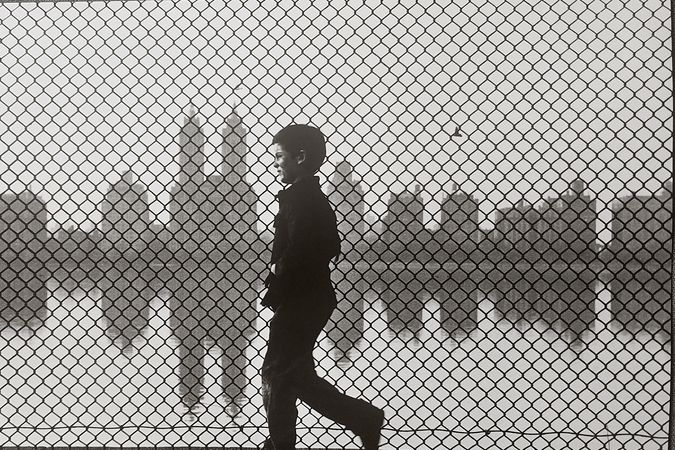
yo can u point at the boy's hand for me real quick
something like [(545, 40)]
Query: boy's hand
[(272, 298)]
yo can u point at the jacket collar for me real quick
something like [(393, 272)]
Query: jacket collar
[(298, 186)]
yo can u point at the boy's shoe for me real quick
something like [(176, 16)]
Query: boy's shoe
[(371, 437)]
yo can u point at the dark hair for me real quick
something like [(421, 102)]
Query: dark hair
[(294, 138)]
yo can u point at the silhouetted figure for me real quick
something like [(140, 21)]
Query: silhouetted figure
[(302, 297)]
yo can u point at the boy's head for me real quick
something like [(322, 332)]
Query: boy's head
[(299, 151)]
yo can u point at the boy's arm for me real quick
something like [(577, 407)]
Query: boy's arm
[(300, 237), (310, 242)]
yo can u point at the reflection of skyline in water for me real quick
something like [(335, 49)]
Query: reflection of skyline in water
[(640, 299), (562, 299), (23, 296), (406, 294), (211, 318), (345, 329), (212, 310), (217, 306), (405, 297), (125, 303)]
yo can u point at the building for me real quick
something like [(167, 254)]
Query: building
[(642, 226), (231, 196), (23, 238), (191, 157), (188, 206), (23, 227), (405, 216), (214, 230), (403, 234), (215, 213), (516, 232), (459, 222), (567, 225), (347, 196), (126, 216)]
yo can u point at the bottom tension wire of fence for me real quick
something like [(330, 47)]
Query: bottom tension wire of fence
[(392, 429)]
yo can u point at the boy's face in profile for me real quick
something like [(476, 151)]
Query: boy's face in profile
[(289, 167)]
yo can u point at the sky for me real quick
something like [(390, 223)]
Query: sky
[(543, 92)]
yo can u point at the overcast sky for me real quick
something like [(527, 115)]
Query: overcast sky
[(544, 92)]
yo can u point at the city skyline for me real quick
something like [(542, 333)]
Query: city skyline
[(432, 206), (534, 113), (217, 214), (130, 179)]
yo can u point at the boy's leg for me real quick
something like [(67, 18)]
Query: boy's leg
[(354, 414), (279, 403), (291, 340), (288, 373), (277, 393)]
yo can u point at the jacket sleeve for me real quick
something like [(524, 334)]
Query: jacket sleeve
[(312, 242)]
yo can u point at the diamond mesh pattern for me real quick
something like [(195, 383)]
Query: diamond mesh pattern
[(500, 172)]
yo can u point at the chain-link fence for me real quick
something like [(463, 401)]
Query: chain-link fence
[(500, 176)]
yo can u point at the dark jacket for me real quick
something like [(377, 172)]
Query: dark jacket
[(305, 240)]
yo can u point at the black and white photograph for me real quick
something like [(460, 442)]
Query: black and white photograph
[(322, 225)]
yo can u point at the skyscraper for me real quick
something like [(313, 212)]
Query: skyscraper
[(235, 199), (23, 236), (234, 150), (347, 196), (404, 219), (188, 199), (191, 157), (404, 224), (567, 224), (126, 215), (516, 229), (23, 226), (214, 222), (642, 226), (459, 219)]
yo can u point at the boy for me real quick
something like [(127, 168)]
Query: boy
[(302, 297)]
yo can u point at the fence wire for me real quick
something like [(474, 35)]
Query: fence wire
[(501, 176)]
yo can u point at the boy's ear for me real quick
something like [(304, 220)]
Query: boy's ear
[(301, 157)]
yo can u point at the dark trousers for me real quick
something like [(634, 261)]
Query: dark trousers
[(288, 374)]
